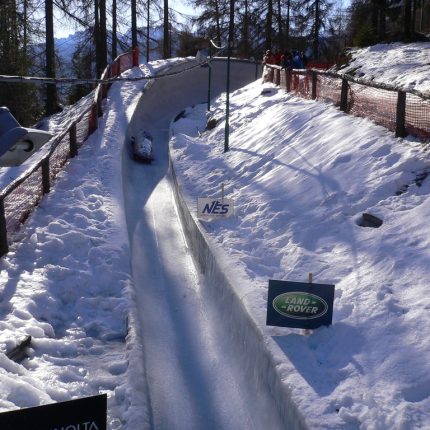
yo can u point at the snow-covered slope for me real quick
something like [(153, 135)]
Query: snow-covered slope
[(406, 66), (301, 174)]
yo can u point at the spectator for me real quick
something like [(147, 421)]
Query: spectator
[(268, 58), (287, 60), (297, 62), (277, 58), (305, 59), (267, 71)]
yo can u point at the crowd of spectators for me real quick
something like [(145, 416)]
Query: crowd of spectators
[(287, 60)]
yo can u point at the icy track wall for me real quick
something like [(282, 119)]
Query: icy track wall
[(256, 358), (159, 104)]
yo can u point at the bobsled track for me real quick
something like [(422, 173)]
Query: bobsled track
[(199, 375)]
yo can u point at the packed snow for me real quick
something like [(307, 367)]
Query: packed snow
[(301, 174), (405, 66)]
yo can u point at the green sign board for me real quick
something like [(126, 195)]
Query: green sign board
[(299, 304)]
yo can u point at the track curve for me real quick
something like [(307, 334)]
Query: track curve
[(194, 375)]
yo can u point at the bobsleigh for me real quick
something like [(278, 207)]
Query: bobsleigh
[(141, 147), (18, 143)]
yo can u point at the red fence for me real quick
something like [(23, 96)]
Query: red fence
[(404, 112), (21, 196)]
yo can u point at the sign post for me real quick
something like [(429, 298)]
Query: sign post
[(212, 208), (299, 304)]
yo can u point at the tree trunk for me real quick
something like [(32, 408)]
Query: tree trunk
[(414, 17), (25, 41), (382, 18), (147, 30), (103, 36), (166, 41), (246, 31), (133, 24), (51, 89), (287, 27), (280, 35), (114, 31), (269, 19), (218, 23), (407, 19), (97, 38), (316, 30)]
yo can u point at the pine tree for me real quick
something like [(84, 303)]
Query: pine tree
[(15, 33)]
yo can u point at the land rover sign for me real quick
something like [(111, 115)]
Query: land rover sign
[(299, 304)]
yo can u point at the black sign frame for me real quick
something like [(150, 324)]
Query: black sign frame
[(88, 413), (321, 294)]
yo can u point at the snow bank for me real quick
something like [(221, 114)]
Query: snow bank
[(302, 174), (406, 66)]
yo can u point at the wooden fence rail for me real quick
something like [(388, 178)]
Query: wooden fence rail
[(403, 111)]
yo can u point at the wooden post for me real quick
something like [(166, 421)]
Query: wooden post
[(344, 96), (310, 280), (46, 186), (288, 80), (136, 56), (73, 141), (99, 101), (93, 119), (314, 78), (4, 247), (401, 114), (277, 77)]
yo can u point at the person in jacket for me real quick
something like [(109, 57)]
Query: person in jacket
[(269, 58), (297, 61), (287, 60)]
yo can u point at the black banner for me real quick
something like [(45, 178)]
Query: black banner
[(88, 413), (299, 304)]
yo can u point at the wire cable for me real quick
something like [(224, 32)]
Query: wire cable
[(76, 81)]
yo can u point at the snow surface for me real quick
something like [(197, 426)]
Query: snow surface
[(406, 66), (301, 174)]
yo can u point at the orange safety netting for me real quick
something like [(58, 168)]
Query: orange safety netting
[(20, 202), (329, 89), (417, 116), (376, 104)]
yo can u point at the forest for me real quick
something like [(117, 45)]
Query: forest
[(322, 29)]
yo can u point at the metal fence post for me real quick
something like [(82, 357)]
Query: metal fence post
[(401, 114), (46, 186), (73, 141), (344, 96), (4, 247)]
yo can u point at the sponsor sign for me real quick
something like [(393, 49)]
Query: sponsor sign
[(299, 304), (88, 413), (214, 208)]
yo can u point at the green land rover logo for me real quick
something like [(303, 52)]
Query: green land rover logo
[(300, 305)]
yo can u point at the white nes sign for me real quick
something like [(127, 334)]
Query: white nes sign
[(214, 208)]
